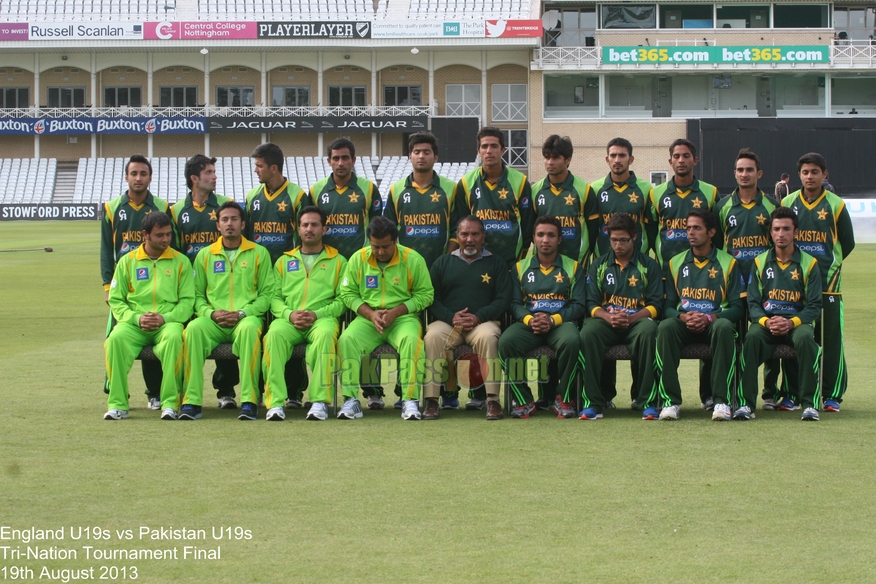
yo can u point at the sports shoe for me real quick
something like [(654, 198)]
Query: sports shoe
[(494, 410), (743, 413), (168, 414), (226, 403), (609, 405), (190, 412), (589, 414), (555, 405), (248, 411), (544, 405), (399, 404), (351, 409), (651, 413), (275, 415), (708, 404), (154, 403), (634, 405), (449, 403), (292, 403), (432, 410), (810, 415), (375, 402), (411, 409), (566, 410), (116, 415), (475, 404), (788, 405), (831, 405), (769, 405), (523, 411), (722, 413), (670, 413), (318, 412)]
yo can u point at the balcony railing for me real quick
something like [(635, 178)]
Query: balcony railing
[(216, 111)]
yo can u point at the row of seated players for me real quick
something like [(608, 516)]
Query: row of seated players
[(154, 292)]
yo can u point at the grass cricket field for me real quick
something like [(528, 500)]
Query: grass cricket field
[(379, 500)]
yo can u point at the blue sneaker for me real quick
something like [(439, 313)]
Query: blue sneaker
[(589, 414), (831, 405), (248, 411), (449, 403), (399, 404), (651, 413), (190, 412), (788, 405)]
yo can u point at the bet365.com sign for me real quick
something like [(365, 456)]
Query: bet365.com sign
[(710, 55)]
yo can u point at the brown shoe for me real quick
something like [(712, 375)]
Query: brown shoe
[(432, 409), (494, 410)]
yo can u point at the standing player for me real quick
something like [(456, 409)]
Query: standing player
[(195, 219), (826, 234), (122, 232), (499, 196), (151, 295)]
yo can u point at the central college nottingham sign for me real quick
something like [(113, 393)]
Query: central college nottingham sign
[(302, 124)]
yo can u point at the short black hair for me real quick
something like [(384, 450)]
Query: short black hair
[(812, 158), (784, 213), (708, 218), (621, 222), (340, 144), (270, 153), (380, 227), (155, 219), (491, 131), (141, 159), (746, 153), (323, 217), (423, 138), (471, 219), (556, 145), (195, 165), (785, 176), (622, 142), (231, 205), (683, 142), (548, 220)]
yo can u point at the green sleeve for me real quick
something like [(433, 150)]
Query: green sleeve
[(304, 200), (654, 289), (499, 306), (459, 209), (670, 305), (182, 311), (718, 240), (574, 308), (421, 291), (278, 303), (336, 308), (518, 310), (202, 305), (266, 284), (591, 221), (527, 217), (814, 299), (247, 214), (107, 252), (118, 292), (375, 210), (594, 294), (350, 293), (735, 307), (845, 232), (389, 211), (438, 311), (755, 292)]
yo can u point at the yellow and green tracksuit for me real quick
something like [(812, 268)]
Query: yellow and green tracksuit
[(317, 289), (632, 197), (271, 218), (570, 203), (350, 209), (422, 214), (245, 283), (140, 285), (195, 225), (404, 280), (667, 223)]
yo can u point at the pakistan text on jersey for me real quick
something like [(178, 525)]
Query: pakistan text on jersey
[(270, 227), (699, 293), (546, 296), (200, 237), (132, 236), (812, 235), (628, 304), (789, 295), (493, 214), (344, 219), (749, 241), (423, 219), (680, 223)]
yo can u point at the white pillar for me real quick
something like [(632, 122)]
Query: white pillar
[(601, 94), (484, 113), (36, 100), (432, 112), (150, 146), (207, 80), (94, 101), (149, 85), (320, 138), (264, 64), (206, 144), (374, 101)]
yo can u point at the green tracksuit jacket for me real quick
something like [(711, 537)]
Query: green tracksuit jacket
[(405, 280), (141, 284), (318, 291), (245, 284)]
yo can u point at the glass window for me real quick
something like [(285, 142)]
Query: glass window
[(509, 102), (402, 95), (178, 97), (346, 95), (855, 23), (122, 96), (66, 96), (801, 16), (292, 96), (463, 100), (15, 97), (575, 27), (743, 16), (686, 16), (235, 96), (517, 153), (634, 16)]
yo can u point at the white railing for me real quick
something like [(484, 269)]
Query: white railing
[(215, 111), (573, 56), (853, 53)]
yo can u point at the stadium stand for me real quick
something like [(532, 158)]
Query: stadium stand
[(468, 9), (27, 180), (281, 9), (105, 10)]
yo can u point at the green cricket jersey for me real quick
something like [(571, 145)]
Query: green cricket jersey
[(631, 288), (196, 224), (667, 224), (317, 289), (245, 283), (825, 233), (711, 285), (570, 203), (163, 285), (271, 217), (505, 207), (791, 289), (482, 286), (744, 228), (349, 208), (404, 280), (559, 290), (121, 230), (422, 215), (632, 197)]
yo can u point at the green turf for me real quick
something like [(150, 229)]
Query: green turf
[(379, 500)]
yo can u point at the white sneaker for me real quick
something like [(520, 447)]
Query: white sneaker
[(154, 403), (168, 414), (809, 415), (708, 404), (116, 415), (476, 404), (350, 410), (318, 411), (275, 415), (670, 413), (411, 410), (375, 402), (743, 413), (226, 403), (721, 413)]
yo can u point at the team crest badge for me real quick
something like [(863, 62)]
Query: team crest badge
[(219, 267)]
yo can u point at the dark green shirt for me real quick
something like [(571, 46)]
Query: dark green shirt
[(559, 291), (631, 288), (121, 230), (792, 289), (568, 202), (711, 285), (196, 226), (482, 286), (271, 218), (744, 228), (667, 224), (632, 197), (422, 215), (350, 209)]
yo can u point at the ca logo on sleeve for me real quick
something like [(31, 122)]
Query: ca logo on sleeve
[(142, 273), (219, 267), (371, 281), (292, 266)]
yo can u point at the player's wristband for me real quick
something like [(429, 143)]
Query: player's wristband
[(710, 318)]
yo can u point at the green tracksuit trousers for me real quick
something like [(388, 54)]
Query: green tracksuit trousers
[(151, 369), (758, 347), (321, 356), (518, 339), (673, 334), (122, 347), (203, 335)]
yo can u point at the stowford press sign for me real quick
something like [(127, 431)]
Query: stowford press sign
[(302, 124), (49, 212), (711, 55), (117, 125)]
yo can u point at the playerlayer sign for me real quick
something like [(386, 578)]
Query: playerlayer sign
[(315, 30), (710, 55), (304, 124), (49, 212), (118, 125)]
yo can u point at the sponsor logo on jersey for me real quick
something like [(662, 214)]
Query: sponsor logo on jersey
[(569, 233), (127, 247), (614, 308), (812, 248), (490, 226), (142, 273), (292, 266), (376, 203), (779, 307), (269, 238), (219, 267), (546, 305), (605, 229), (748, 253), (371, 281), (343, 230), (428, 231), (675, 234), (697, 305), (524, 203), (193, 249)]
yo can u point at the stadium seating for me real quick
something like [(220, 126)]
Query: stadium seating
[(468, 9), (27, 180), (98, 10), (286, 9)]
